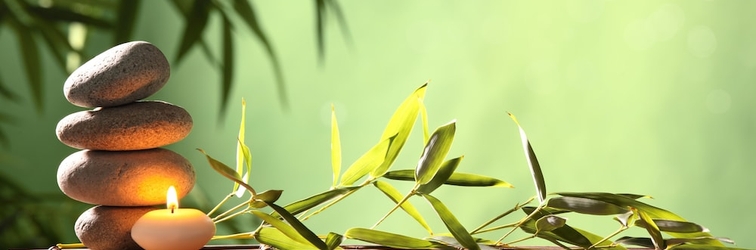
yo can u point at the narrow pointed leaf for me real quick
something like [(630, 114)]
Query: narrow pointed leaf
[(335, 147), (372, 159), (636, 196), (286, 229), (535, 167), (434, 153), (674, 226), (341, 19), (333, 240), (312, 201), (247, 13), (395, 196), (652, 229), (6, 93), (451, 222), (424, 118), (227, 172), (297, 225), (31, 60), (320, 15), (456, 179), (549, 223), (269, 196), (67, 15), (196, 22), (566, 233), (399, 126), (444, 173), (56, 41), (389, 239), (243, 155), (452, 242), (227, 69), (636, 241), (586, 206), (274, 237), (125, 20)]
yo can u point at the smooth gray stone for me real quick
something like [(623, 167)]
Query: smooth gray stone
[(109, 228)]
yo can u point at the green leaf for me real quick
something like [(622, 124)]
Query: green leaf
[(227, 172), (320, 15), (451, 222), (399, 126), (673, 226), (652, 229), (227, 69), (286, 229), (434, 153), (267, 196), (586, 206), (274, 237), (297, 225), (312, 201), (56, 41), (125, 20), (566, 233), (390, 239), (452, 242), (549, 223), (369, 161), (67, 15), (31, 59), (636, 241), (6, 93), (456, 179), (424, 118), (247, 13), (535, 167), (333, 240), (196, 22), (335, 148), (444, 173), (243, 154), (395, 196)]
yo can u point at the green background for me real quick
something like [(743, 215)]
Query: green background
[(648, 97)]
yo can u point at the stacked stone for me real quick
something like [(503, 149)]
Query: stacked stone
[(121, 168)]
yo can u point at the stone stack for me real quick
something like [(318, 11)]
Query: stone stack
[(121, 168)]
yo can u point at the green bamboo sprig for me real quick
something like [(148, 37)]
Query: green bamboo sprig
[(518, 206), (215, 209)]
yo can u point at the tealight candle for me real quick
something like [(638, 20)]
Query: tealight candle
[(173, 228)]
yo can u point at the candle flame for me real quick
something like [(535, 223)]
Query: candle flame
[(172, 200)]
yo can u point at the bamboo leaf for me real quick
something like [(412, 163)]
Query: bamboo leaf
[(196, 22), (586, 206), (125, 20), (424, 118), (335, 148), (227, 69), (390, 239), (434, 153), (566, 233), (549, 223), (333, 240), (297, 225), (369, 161), (451, 222), (274, 237), (67, 15), (5, 92), (399, 126), (341, 19), (243, 154), (286, 229), (320, 15), (456, 179), (227, 172), (312, 201), (652, 229), (444, 173), (395, 196), (267, 196), (674, 226), (636, 241), (535, 167), (56, 41), (247, 13), (31, 59), (452, 242)]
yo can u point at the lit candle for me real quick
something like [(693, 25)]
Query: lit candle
[(173, 228)]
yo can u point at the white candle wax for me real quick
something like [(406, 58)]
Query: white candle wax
[(173, 228)]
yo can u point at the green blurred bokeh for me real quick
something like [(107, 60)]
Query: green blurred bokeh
[(649, 97)]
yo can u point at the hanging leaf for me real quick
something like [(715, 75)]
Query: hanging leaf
[(196, 22), (424, 118), (67, 15), (369, 161), (535, 167), (297, 225), (444, 173), (434, 153), (456, 179), (312, 201), (31, 59), (340, 19), (320, 15), (243, 154), (227, 69), (652, 229), (125, 20), (390, 239), (395, 196), (451, 222), (586, 206), (247, 13), (399, 126), (227, 172), (286, 229), (274, 237), (56, 41), (335, 148), (333, 240)]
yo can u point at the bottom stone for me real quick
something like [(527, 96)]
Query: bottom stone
[(105, 228)]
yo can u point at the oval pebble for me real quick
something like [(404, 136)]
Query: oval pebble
[(106, 228), (135, 126), (125, 73), (125, 178)]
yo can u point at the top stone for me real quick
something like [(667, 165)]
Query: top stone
[(123, 74)]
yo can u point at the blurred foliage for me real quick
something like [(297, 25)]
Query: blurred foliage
[(283, 230)]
